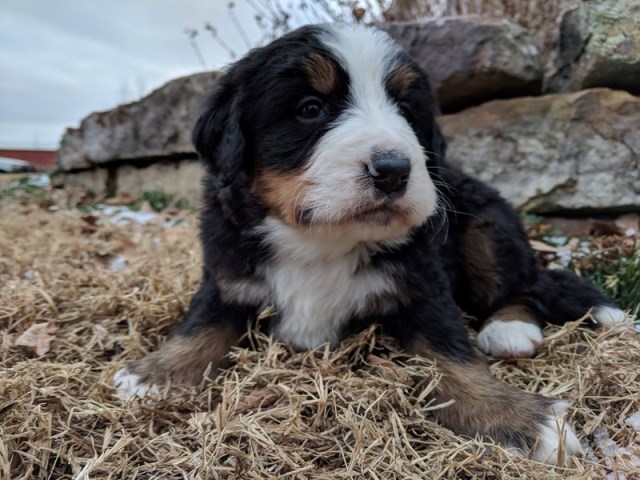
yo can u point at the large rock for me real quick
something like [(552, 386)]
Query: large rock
[(597, 45), (575, 152), (471, 59), (159, 125), (182, 180)]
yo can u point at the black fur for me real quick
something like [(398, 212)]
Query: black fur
[(235, 136), (251, 123)]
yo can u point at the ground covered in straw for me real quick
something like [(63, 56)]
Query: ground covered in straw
[(84, 290)]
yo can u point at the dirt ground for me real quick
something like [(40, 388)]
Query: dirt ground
[(82, 291)]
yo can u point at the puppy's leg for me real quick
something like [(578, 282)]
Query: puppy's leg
[(482, 404), (511, 332), (514, 418), (208, 332), (559, 297), (515, 296), (514, 331), (181, 360), (498, 263)]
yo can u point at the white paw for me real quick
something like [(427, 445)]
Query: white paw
[(607, 316), (557, 441), (129, 385), (510, 339)]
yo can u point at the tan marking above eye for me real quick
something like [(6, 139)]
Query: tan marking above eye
[(400, 80), (321, 73)]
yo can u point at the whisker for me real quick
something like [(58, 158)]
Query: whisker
[(299, 190)]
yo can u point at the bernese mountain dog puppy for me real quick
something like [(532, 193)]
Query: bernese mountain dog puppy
[(327, 195)]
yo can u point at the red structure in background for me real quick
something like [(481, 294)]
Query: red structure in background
[(40, 159)]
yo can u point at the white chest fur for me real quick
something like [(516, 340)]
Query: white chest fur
[(318, 285)]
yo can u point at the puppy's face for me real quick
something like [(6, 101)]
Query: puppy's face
[(333, 126)]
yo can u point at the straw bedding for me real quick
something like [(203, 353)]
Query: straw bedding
[(81, 294)]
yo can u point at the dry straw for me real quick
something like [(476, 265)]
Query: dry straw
[(360, 411)]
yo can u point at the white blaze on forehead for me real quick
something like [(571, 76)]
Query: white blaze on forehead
[(368, 56), (370, 122)]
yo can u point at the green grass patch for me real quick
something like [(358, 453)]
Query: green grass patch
[(620, 278), (24, 188), (532, 219), (159, 201)]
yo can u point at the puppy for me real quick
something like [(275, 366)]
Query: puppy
[(327, 195)]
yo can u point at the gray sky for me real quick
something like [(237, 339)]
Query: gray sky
[(62, 59)]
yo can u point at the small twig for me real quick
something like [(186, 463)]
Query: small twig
[(192, 33), (230, 7)]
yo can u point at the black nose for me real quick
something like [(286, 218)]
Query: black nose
[(390, 171)]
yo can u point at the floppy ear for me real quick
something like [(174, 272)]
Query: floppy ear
[(217, 136)]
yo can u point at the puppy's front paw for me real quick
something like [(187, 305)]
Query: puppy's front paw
[(131, 384), (520, 421), (182, 360), (510, 338), (608, 316), (537, 428), (150, 374), (556, 441)]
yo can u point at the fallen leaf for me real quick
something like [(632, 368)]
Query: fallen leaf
[(89, 224), (37, 337), (174, 234), (592, 424), (630, 221), (379, 361), (123, 198), (90, 219), (600, 228), (568, 227), (397, 372), (146, 207), (262, 397), (539, 246), (358, 13)]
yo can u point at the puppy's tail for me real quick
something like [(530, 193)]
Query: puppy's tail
[(559, 296)]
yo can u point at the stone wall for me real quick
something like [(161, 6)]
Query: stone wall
[(561, 137), (140, 146)]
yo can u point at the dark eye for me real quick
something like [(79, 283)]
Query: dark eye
[(310, 108), (405, 107)]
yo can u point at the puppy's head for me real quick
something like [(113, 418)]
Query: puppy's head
[(333, 127)]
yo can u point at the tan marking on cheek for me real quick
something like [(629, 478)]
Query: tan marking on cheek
[(184, 359), (321, 73), (400, 80), (283, 193), (479, 263)]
